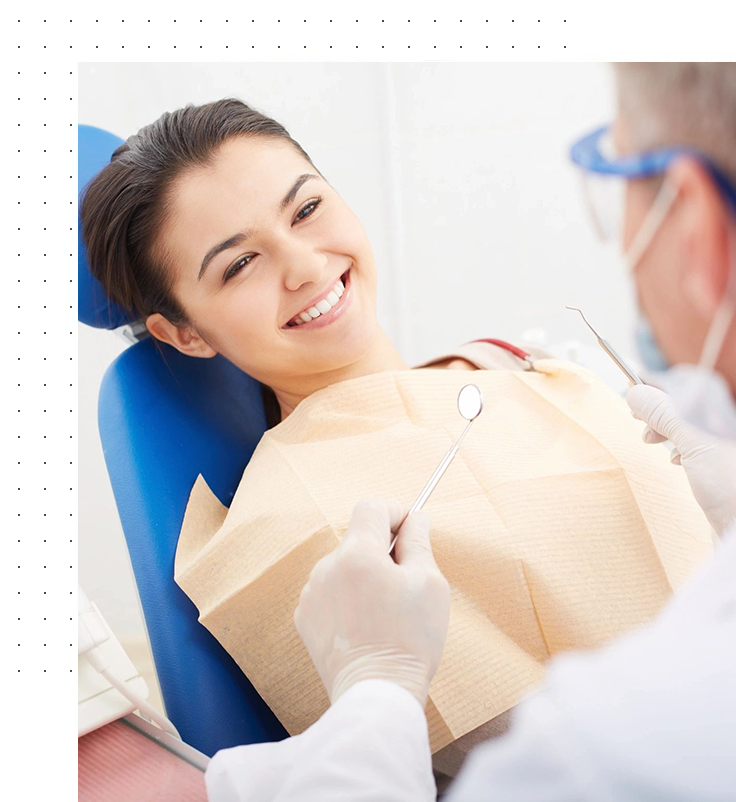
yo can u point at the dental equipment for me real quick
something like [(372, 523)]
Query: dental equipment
[(109, 684), (470, 405), (610, 350)]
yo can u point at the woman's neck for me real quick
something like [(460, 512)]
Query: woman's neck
[(381, 357)]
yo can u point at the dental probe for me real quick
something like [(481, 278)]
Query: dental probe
[(610, 350), (470, 405)]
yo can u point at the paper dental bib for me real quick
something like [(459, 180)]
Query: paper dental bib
[(555, 525)]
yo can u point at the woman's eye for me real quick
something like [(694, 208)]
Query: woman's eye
[(244, 261), (307, 209), (236, 267)]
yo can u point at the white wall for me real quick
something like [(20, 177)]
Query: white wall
[(459, 172)]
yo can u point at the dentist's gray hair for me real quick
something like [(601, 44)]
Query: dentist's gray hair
[(680, 103)]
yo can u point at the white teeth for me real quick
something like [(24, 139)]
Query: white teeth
[(323, 306)]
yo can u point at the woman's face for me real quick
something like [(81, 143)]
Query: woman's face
[(259, 241)]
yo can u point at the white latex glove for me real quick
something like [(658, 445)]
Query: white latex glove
[(710, 464), (363, 616)]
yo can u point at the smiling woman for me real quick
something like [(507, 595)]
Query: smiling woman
[(214, 226)]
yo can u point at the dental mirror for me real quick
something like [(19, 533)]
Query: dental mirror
[(470, 405), (470, 402)]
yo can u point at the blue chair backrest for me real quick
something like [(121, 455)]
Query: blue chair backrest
[(164, 418)]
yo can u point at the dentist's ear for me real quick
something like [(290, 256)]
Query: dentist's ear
[(703, 222), (183, 338)]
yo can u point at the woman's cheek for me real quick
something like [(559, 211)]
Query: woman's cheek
[(344, 233), (238, 324)]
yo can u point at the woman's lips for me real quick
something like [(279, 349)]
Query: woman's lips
[(336, 312)]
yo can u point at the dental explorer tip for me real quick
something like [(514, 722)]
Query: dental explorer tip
[(585, 319)]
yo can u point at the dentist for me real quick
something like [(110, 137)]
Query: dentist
[(652, 716)]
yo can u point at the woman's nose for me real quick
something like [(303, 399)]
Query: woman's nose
[(304, 267)]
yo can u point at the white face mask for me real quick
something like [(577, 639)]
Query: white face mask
[(700, 394)]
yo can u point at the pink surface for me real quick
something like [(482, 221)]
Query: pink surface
[(118, 764)]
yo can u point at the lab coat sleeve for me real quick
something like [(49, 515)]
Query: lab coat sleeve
[(372, 745), (651, 716)]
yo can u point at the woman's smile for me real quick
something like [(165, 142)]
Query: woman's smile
[(325, 308)]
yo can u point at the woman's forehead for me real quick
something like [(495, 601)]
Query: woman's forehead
[(253, 167), (242, 186)]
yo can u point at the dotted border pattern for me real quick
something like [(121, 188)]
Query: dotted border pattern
[(42, 444), (44, 45)]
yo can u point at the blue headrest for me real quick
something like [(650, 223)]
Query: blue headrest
[(164, 419), (95, 147)]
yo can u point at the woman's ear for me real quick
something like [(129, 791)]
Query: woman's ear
[(183, 338)]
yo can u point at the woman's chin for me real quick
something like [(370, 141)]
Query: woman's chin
[(350, 352), (353, 345)]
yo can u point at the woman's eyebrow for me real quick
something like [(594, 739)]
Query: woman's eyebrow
[(225, 245), (237, 239), (291, 194)]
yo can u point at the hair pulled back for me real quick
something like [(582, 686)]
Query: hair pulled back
[(124, 207)]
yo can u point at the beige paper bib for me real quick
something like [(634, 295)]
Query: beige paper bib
[(556, 527)]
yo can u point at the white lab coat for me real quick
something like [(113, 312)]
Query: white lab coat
[(650, 717)]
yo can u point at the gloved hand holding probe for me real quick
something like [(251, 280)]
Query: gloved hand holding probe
[(710, 464), (395, 625)]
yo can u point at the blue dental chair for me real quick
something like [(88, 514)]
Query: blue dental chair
[(164, 418)]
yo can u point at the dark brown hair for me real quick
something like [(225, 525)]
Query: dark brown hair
[(125, 205)]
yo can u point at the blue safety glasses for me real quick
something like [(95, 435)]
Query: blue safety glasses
[(602, 170)]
